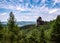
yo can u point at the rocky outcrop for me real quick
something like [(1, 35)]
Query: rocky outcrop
[(40, 21)]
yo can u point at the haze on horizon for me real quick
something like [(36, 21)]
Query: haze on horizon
[(30, 10)]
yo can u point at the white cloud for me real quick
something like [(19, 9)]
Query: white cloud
[(19, 8), (53, 11), (57, 0), (44, 12), (26, 18), (4, 16)]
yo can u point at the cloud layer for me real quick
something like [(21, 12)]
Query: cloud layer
[(29, 10)]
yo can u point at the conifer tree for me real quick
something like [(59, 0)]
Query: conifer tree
[(12, 27), (11, 21)]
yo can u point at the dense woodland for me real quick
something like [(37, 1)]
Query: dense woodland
[(46, 33)]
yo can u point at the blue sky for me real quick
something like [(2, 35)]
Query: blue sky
[(30, 10)]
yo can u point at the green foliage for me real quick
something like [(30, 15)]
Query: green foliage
[(33, 36), (11, 22), (55, 35), (1, 31), (42, 35), (48, 33)]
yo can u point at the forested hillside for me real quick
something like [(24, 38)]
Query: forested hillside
[(46, 33)]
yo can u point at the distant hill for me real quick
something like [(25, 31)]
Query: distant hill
[(31, 26), (22, 23)]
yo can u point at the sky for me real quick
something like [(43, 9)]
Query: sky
[(30, 10)]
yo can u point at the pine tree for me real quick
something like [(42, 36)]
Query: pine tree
[(11, 24), (11, 21)]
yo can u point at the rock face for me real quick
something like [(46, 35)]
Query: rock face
[(39, 21)]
